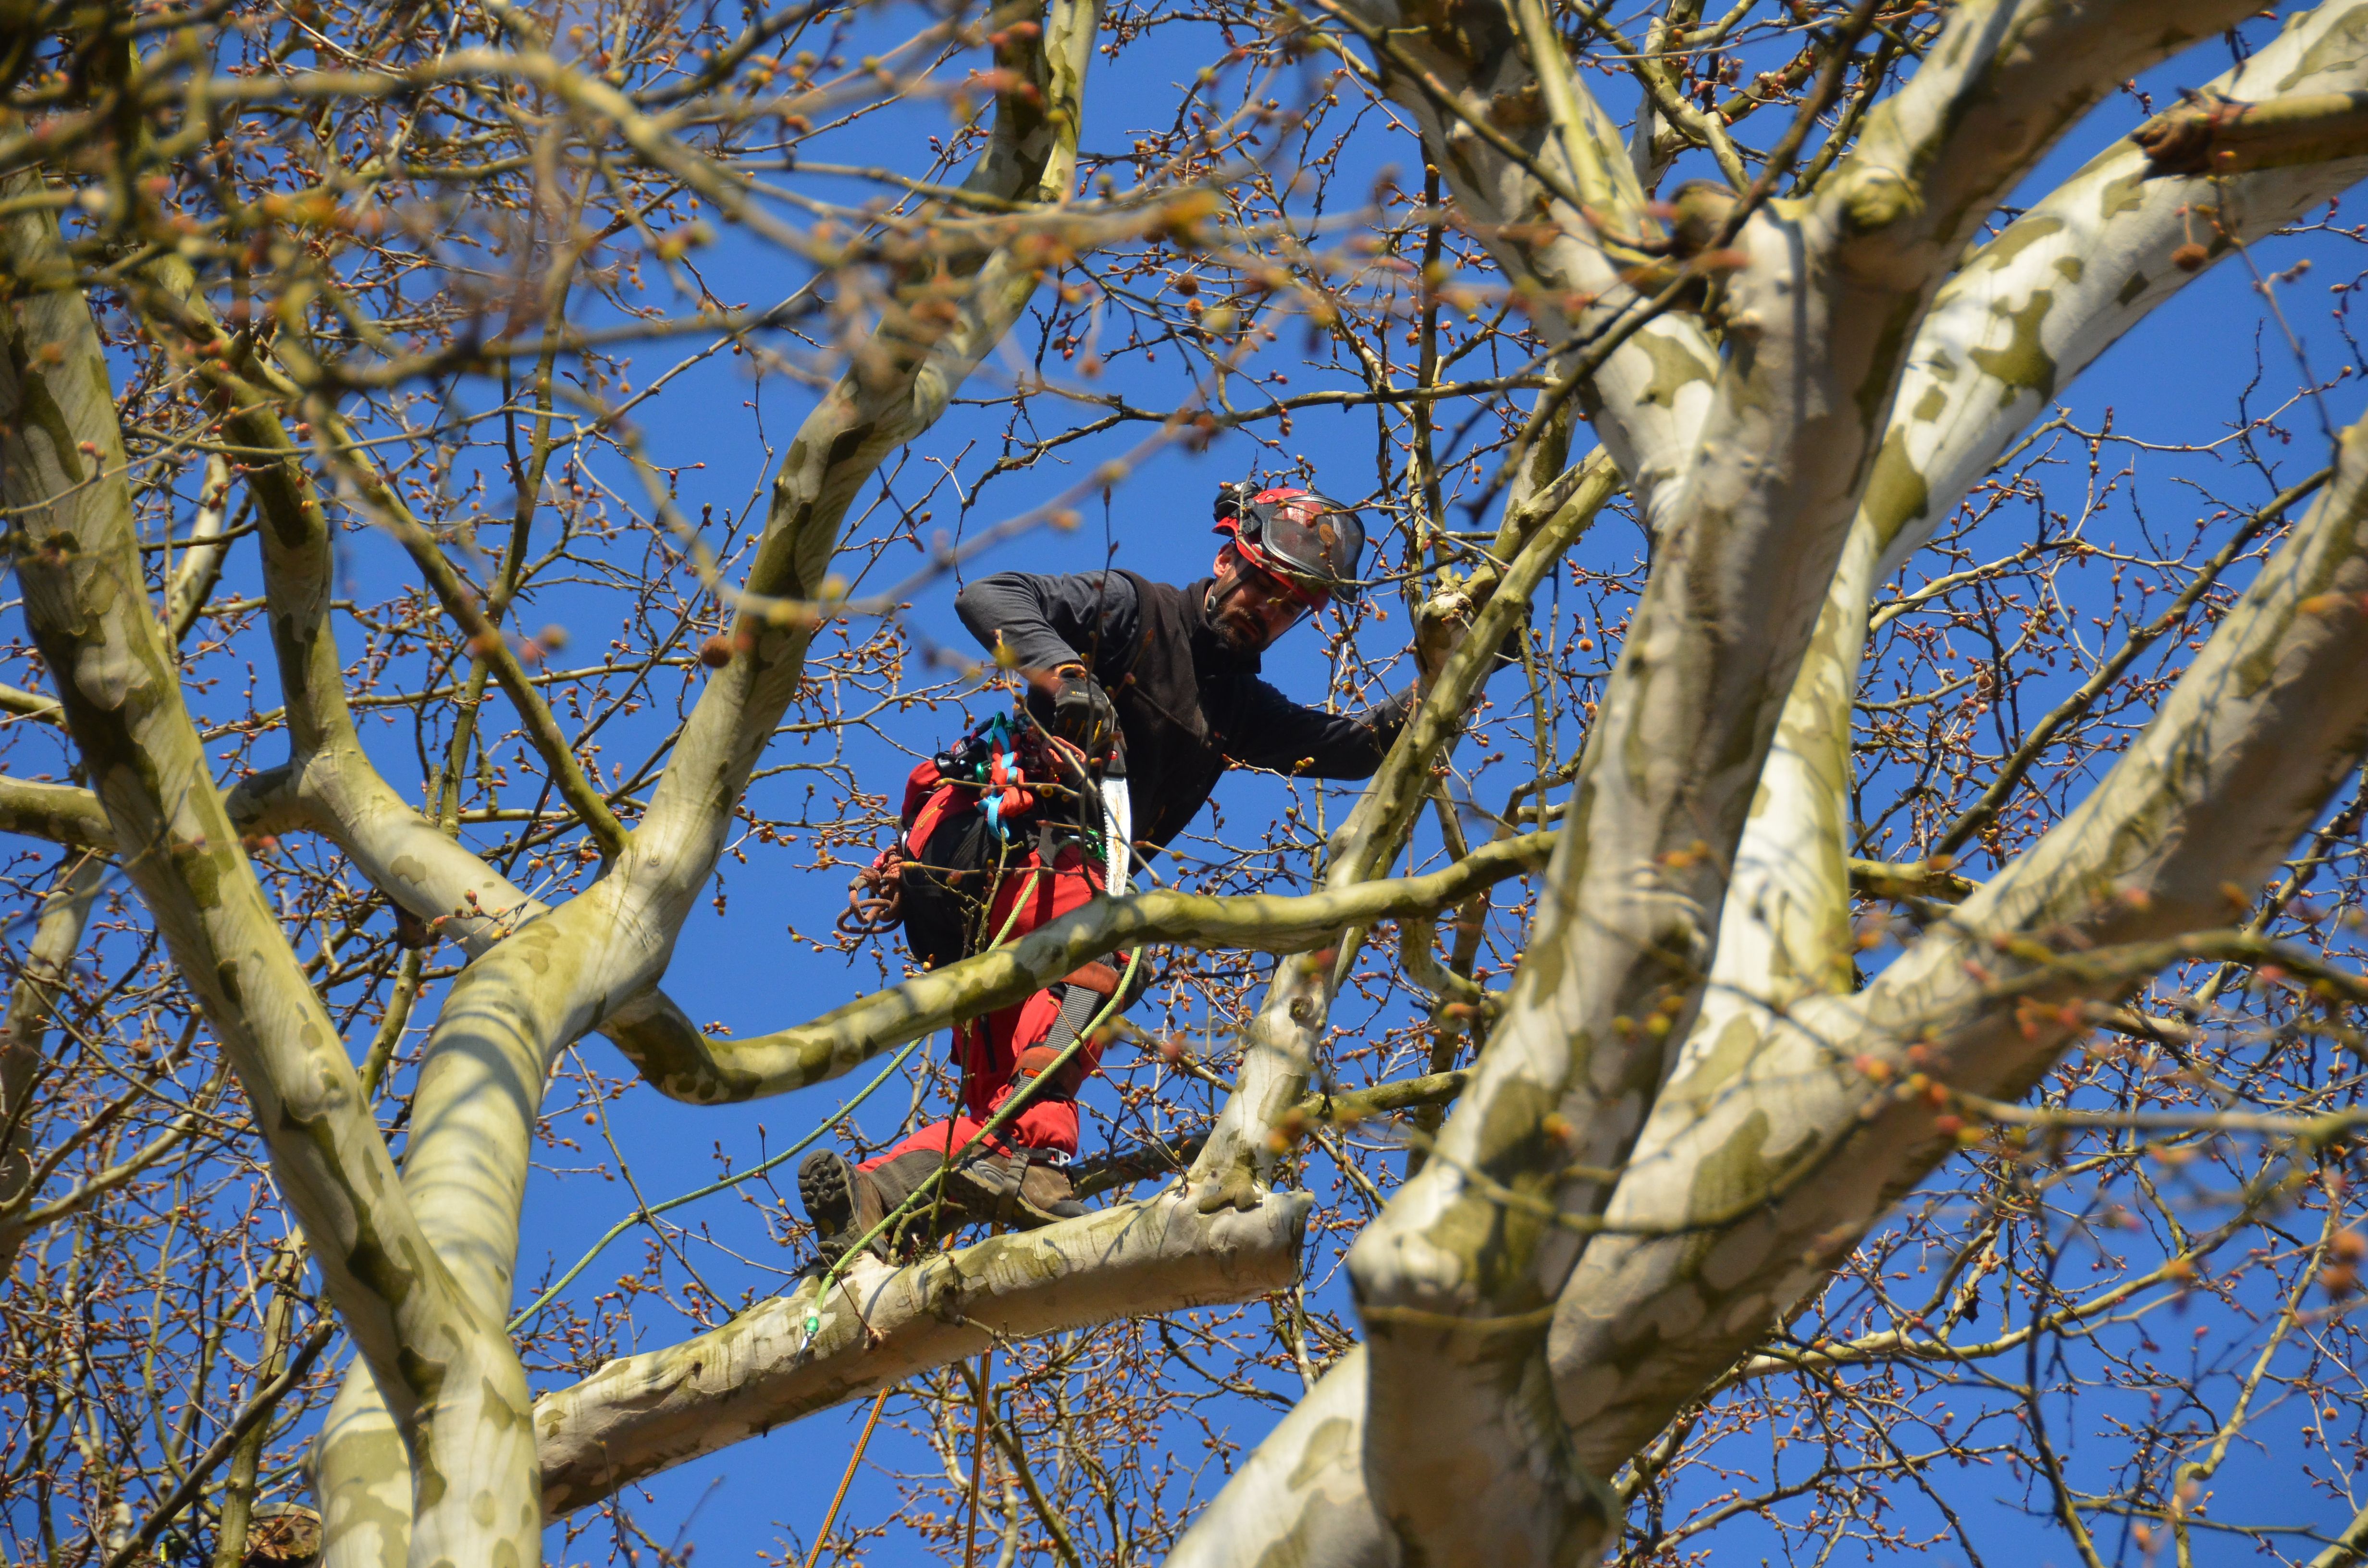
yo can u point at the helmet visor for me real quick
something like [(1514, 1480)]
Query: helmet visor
[(1309, 542)]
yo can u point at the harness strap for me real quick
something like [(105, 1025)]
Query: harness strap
[(924, 822), (1097, 977)]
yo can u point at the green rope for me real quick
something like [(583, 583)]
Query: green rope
[(653, 1210), (1010, 1108)]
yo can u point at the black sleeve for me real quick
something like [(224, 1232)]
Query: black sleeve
[(1269, 730), (1089, 618)]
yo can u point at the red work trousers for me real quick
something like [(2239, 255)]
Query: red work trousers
[(987, 1049)]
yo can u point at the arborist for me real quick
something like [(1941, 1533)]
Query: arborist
[(1140, 696)]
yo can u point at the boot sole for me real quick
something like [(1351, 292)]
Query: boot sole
[(827, 1187)]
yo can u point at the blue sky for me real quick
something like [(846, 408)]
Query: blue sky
[(2171, 381)]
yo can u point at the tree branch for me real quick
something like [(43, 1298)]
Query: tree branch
[(2245, 750), (692, 1065), (24, 1036), (59, 813), (1292, 1016), (2209, 134), (794, 1355), (447, 1371), (1456, 1293)]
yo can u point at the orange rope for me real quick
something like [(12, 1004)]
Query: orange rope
[(978, 1455), (847, 1480)]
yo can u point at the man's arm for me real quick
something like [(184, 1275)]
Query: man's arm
[(1272, 731), (1082, 618)]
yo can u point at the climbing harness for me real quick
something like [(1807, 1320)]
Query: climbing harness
[(987, 806)]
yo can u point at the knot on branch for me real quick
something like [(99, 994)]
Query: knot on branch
[(1693, 246), (2209, 133), (1697, 215), (1518, 108), (1879, 200), (2179, 141)]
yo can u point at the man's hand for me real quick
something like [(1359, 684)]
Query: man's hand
[(1077, 709)]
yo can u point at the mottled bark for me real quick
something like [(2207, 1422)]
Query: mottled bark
[(2211, 134), (539, 988), (62, 814), (2263, 728), (2031, 309), (1454, 1282), (1458, 1279), (448, 1370), (1457, 69), (1280, 1044), (878, 1325), (200, 564), (846, 1038)]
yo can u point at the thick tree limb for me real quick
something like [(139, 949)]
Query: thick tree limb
[(540, 988), (1455, 1288), (329, 784), (1461, 74), (2245, 752), (1539, 530), (1909, 879), (878, 1325), (1124, 1167), (62, 814), (199, 567), (443, 1366), (2031, 310)]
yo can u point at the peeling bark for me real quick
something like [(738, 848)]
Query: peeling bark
[(2030, 311), (1450, 67), (1458, 1280), (878, 1325), (538, 988), (1455, 1284), (1281, 1041)]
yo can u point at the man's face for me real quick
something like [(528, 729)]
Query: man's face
[(1249, 605)]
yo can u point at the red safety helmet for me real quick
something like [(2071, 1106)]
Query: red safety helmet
[(1311, 544)]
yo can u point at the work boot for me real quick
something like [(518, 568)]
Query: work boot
[(843, 1202), (1011, 1189), (1046, 1193), (951, 1205), (1018, 1189)]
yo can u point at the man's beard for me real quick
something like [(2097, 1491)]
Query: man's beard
[(1237, 628)]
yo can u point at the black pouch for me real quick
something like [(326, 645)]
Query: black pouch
[(948, 888)]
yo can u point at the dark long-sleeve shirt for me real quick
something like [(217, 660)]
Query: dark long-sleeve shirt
[(1188, 706)]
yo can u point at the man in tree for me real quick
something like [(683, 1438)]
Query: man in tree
[(1127, 678)]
